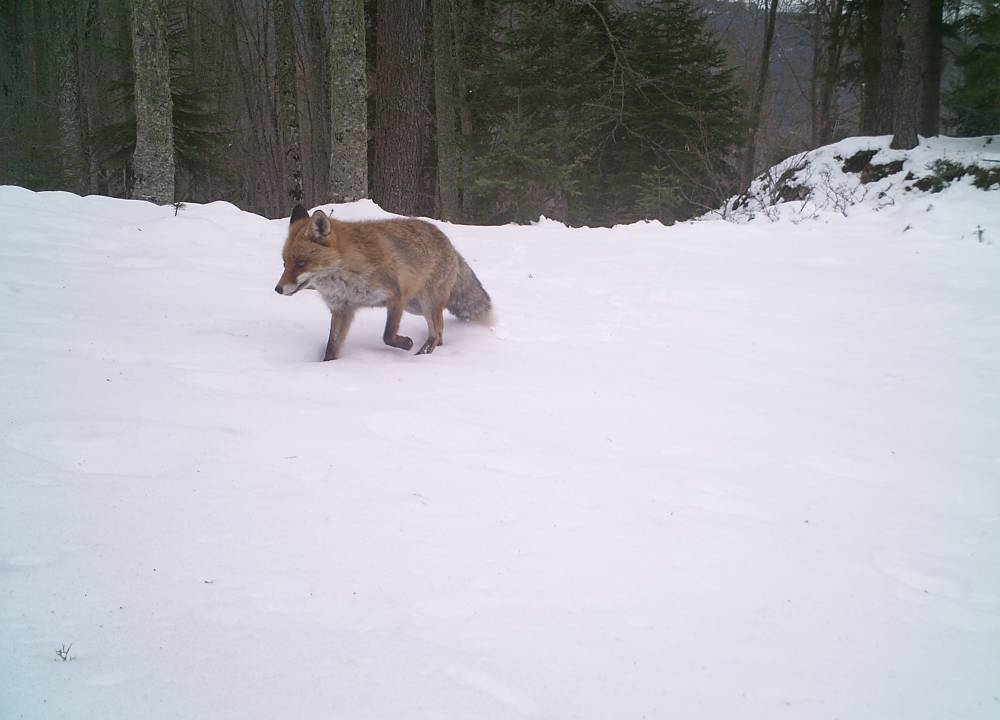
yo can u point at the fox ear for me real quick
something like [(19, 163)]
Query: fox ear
[(320, 229), (298, 213)]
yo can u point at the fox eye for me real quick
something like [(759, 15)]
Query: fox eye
[(299, 264)]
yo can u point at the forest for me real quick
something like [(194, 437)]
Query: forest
[(591, 112)]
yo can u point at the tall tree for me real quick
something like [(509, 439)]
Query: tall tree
[(888, 70), (834, 15), (645, 128), (974, 101), (446, 136), (399, 105), (284, 36), (930, 121), (74, 161), (348, 101), (911, 79), (153, 162), (318, 97), (460, 28), (757, 103), (868, 14)]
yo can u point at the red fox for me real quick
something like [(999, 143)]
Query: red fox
[(404, 264)]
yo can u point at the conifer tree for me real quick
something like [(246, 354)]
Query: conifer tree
[(974, 102)]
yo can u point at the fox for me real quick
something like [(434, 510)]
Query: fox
[(399, 264)]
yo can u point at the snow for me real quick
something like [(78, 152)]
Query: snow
[(831, 188), (707, 471)]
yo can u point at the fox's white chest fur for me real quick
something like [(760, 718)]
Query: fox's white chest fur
[(342, 289)]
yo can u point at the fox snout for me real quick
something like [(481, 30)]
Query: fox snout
[(287, 289), (288, 285)]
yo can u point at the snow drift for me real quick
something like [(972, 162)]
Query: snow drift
[(863, 174), (706, 471)]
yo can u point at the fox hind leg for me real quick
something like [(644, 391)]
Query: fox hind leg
[(434, 314), (394, 313)]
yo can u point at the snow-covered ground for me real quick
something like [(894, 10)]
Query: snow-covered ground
[(859, 175), (710, 471)]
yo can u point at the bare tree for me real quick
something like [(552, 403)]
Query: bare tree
[(287, 89), (871, 57), (317, 74), (444, 104), (911, 80), (74, 161), (831, 50), (153, 162), (888, 71), (348, 101), (758, 97), (930, 123), (399, 105)]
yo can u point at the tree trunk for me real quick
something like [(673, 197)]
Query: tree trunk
[(90, 92), (459, 16), (318, 74), (911, 80), (348, 102), (888, 76), (444, 104), (758, 98), (153, 162), (816, 72), (871, 43), (284, 38), (930, 123), (831, 70), (399, 105), (74, 161)]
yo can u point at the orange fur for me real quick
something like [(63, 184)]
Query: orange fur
[(404, 264)]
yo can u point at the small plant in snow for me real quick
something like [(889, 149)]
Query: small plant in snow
[(63, 653), (841, 196)]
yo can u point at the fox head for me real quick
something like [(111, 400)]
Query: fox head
[(308, 248)]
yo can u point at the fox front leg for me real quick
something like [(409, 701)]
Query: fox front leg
[(340, 323)]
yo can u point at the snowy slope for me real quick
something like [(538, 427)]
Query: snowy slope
[(861, 175), (709, 471)]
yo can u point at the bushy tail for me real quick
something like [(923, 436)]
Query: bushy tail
[(468, 300)]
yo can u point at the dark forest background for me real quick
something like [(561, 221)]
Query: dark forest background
[(482, 111)]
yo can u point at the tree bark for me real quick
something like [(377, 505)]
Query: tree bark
[(318, 75), (444, 105), (758, 98), (74, 161), (834, 48), (284, 37), (460, 11), (348, 101), (911, 79), (930, 123), (153, 162), (871, 56), (888, 75), (815, 75), (399, 105)]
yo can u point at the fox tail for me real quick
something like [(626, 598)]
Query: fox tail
[(469, 301)]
